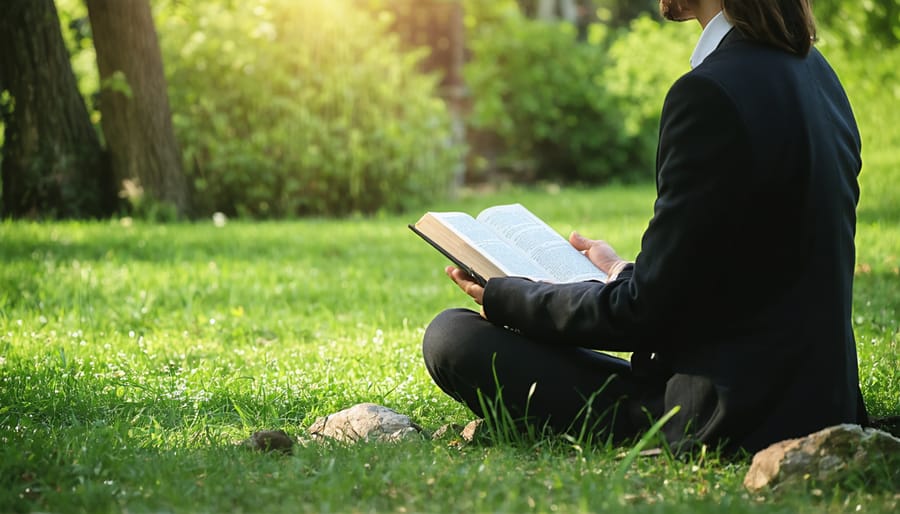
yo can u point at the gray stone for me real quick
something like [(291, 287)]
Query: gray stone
[(828, 457), (364, 422)]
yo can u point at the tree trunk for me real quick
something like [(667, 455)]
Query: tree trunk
[(136, 118), (557, 9), (53, 164), (568, 10), (546, 10)]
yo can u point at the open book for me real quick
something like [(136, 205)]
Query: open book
[(505, 240)]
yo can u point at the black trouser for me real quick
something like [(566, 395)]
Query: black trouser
[(574, 387)]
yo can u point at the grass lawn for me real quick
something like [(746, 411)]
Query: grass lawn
[(132, 358)]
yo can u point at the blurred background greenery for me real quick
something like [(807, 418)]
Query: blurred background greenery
[(286, 108)]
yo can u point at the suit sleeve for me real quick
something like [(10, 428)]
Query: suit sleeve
[(687, 251)]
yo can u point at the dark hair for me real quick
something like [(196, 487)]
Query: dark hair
[(786, 24)]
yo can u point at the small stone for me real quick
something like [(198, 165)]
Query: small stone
[(364, 422), (472, 430), (826, 457), (446, 430), (270, 441)]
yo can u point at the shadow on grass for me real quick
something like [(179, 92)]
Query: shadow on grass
[(180, 243)]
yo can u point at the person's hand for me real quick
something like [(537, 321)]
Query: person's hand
[(600, 253), (467, 284)]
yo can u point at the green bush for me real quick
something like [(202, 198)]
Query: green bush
[(564, 109), (869, 25), (644, 62), (538, 91), (872, 81), (290, 108)]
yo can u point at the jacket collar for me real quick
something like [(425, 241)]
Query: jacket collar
[(713, 34)]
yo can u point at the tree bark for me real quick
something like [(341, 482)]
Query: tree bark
[(53, 165), (568, 10), (548, 9), (136, 117)]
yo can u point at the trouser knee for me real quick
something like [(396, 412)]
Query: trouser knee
[(446, 334)]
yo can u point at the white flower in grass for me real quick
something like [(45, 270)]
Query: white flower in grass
[(219, 219)]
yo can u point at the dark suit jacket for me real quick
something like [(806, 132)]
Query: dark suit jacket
[(739, 302)]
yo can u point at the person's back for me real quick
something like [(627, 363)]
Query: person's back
[(775, 356), (737, 308)]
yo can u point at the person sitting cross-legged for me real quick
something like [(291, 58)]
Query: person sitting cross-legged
[(737, 308)]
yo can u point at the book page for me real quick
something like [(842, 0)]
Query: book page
[(521, 228), (508, 258)]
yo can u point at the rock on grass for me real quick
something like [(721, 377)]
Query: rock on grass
[(366, 422), (276, 441), (835, 455)]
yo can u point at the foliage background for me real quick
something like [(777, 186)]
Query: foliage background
[(565, 106), (290, 108), (311, 108)]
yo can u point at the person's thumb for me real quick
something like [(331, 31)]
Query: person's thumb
[(579, 242)]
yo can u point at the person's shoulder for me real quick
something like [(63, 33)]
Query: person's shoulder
[(727, 64), (738, 60), (819, 64), (696, 93), (739, 57), (698, 84), (746, 68)]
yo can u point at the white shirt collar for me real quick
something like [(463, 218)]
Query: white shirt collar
[(712, 35)]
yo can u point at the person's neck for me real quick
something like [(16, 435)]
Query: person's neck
[(706, 11)]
